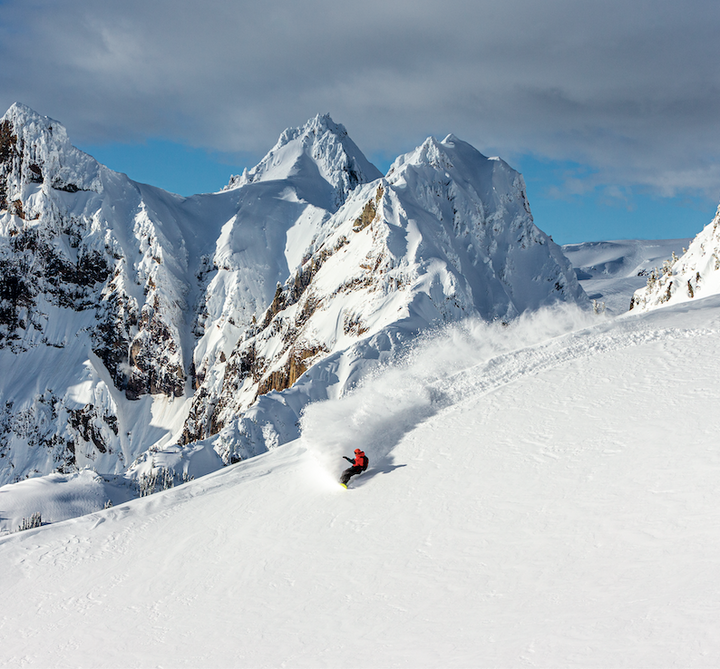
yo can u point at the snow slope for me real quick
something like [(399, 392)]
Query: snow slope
[(541, 494)]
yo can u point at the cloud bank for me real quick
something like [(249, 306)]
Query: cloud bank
[(631, 89)]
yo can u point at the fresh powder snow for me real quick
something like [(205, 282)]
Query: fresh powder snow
[(539, 494)]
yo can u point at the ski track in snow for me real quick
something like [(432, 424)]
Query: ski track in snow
[(399, 397), (510, 367)]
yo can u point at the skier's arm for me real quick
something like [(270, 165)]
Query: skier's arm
[(350, 460)]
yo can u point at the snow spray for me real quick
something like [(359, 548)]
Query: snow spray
[(440, 369)]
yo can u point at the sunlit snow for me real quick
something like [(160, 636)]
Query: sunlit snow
[(538, 495)]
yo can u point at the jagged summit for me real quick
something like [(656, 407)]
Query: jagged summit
[(320, 146), (320, 124), (25, 115), (492, 179), (455, 168), (505, 262), (33, 128)]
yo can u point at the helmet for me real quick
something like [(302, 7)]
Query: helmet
[(357, 450)]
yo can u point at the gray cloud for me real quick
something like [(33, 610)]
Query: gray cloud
[(630, 88)]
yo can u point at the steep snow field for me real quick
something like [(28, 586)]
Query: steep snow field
[(543, 494)]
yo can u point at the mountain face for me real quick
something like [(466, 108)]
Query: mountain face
[(142, 331), (92, 304), (694, 274)]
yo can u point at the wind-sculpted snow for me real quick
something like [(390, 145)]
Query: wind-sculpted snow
[(34, 149)]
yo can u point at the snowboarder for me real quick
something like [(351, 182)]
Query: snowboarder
[(359, 465)]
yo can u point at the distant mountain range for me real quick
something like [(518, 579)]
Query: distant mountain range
[(611, 271)]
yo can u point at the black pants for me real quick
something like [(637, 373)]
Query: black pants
[(350, 471)]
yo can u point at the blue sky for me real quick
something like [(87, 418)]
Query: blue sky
[(569, 218), (630, 213), (609, 108)]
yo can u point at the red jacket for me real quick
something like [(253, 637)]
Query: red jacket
[(361, 460)]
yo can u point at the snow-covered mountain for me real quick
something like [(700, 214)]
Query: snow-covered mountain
[(446, 235), (141, 331), (320, 148), (680, 279), (94, 300)]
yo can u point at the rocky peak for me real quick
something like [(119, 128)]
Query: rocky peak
[(490, 180), (320, 148)]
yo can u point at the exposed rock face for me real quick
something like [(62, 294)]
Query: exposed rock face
[(147, 320), (695, 274), (76, 273)]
